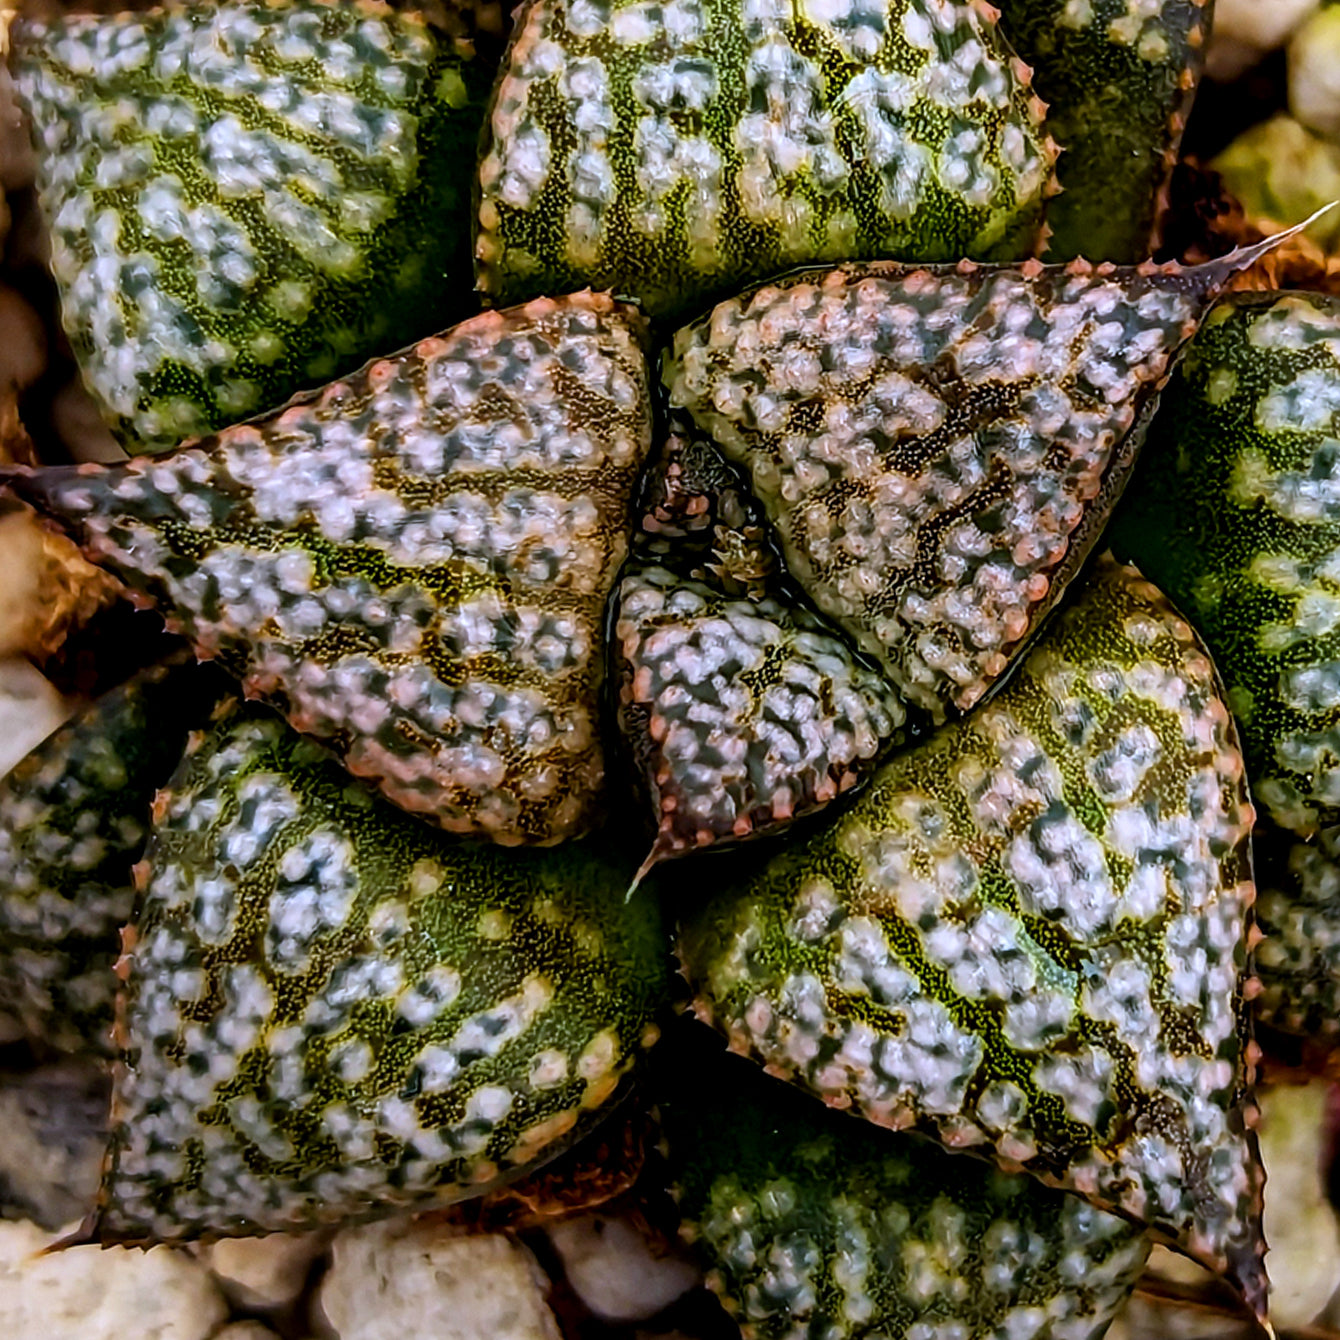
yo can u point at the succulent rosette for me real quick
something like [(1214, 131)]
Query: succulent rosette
[(680, 548)]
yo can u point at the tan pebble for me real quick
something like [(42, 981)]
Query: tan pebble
[(1263, 24), (1301, 1226), (1314, 74), (92, 1294), (265, 1273), (402, 1278), (617, 1271)]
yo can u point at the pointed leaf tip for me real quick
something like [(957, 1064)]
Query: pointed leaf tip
[(423, 619), (999, 567), (817, 961), (1222, 268)]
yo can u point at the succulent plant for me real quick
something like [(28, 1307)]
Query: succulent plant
[(1026, 937), (1119, 79), (247, 199), (813, 1229), (1298, 911), (1237, 518), (333, 1011), (938, 448), (742, 710)]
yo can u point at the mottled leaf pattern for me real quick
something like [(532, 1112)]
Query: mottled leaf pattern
[(938, 448), (1298, 911), (414, 563), (1235, 512), (813, 1228), (1118, 77), (1026, 937), (670, 150), (246, 199), (74, 815), (742, 710), (334, 1012)]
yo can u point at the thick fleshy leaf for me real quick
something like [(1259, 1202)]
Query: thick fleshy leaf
[(745, 714), (1298, 911), (1236, 514), (74, 815), (742, 710), (1026, 937), (938, 448), (813, 1228), (334, 1012), (414, 563), (1118, 79), (672, 151), (247, 198)]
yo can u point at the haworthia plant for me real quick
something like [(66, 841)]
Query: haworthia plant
[(413, 563), (1026, 938), (938, 447), (247, 198), (1118, 78), (742, 709), (672, 150), (74, 816), (815, 1229), (333, 1012), (1235, 513)]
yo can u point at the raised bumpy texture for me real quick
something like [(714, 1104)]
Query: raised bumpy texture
[(748, 713), (1298, 910), (815, 1229), (669, 149), (742, 710), (246, 199), (413, 564), (74, 815), (1026, 938), (936, 447), (1236, 515), (334, 1012), (1118, 77)]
